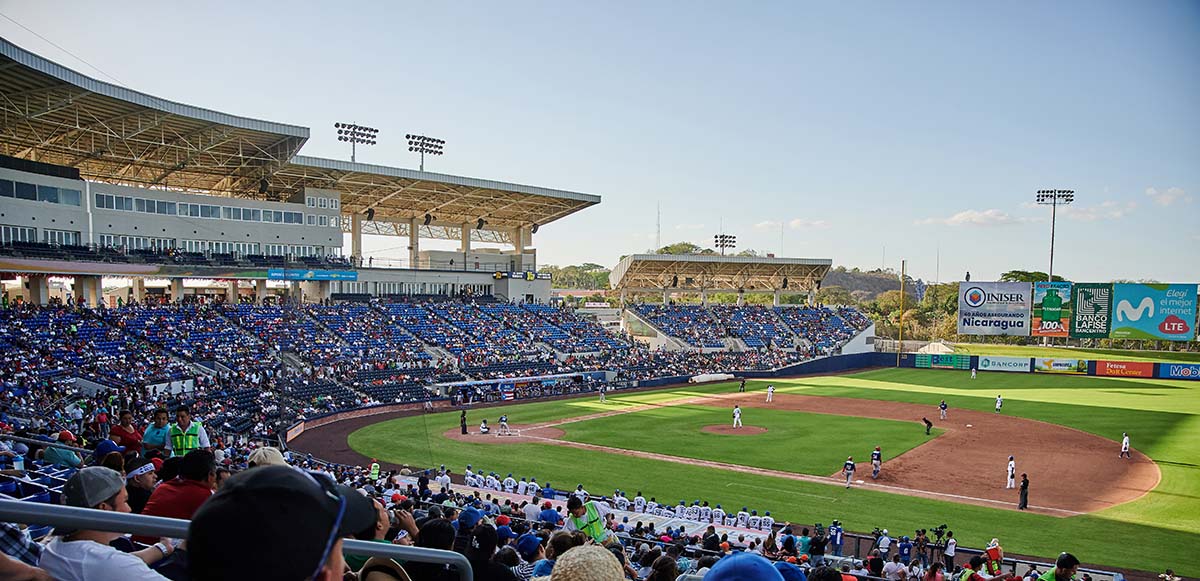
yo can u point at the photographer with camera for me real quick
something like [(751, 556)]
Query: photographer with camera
[(922, 548)]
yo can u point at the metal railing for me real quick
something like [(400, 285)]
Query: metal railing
[(102, 520)]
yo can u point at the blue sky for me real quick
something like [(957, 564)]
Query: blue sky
[(855, 126)]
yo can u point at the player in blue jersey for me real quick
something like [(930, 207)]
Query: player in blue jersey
[(848, 470), (876, 462)]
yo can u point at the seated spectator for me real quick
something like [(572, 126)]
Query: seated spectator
[(558, 545), (530, 550), (374, 533), (86, 554), (140, 478), (266, 456), (275, 522), (743, 566), (181, 496), (588, 563), (480, 552), (1064, 568), (22, 554), (63, 457), (436, 533)]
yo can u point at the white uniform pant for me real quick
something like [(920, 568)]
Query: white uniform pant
[(770, 396), (737, 421), (1012, 481)]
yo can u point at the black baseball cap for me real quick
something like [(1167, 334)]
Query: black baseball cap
[(272, 522)]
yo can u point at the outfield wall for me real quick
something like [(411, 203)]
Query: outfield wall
[(1057, 365)]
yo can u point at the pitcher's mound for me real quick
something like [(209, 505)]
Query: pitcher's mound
[(729, 430)]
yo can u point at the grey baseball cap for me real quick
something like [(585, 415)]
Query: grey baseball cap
[(91, 486)]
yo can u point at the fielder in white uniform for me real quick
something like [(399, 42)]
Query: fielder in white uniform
[(1012, 473), (601, 389), (972, 373), (1125, 446), (999, 402), (770, 393), (737, 417)]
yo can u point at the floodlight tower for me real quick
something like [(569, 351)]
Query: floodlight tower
[(356, 135), (724, 241), (1054, 198), (424, 144)]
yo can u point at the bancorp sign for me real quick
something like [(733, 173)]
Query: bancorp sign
[(1018, 364), (994, 308), (1125, 368), (1179, 371)]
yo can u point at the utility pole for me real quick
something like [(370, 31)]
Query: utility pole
[(900, 343)]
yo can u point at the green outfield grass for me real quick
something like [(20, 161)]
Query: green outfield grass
[(1075, 353), (794, 441), (1157, 531)]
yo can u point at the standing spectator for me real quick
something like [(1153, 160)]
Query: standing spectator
[(948, 553), (186, 435), (126, 434), (86, 554), (816, 549), (894, 569), (836, 537), (155, 436), (589, 518), (875, 563), (975, 568), (275, 522)]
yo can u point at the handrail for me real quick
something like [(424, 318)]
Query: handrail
[(90, 519), (45, 443)]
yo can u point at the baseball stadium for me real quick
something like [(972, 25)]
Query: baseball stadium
[(189, 300)]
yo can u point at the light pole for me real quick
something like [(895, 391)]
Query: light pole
[(724, 241), (1054, 198), (356, 134), (424, 144)]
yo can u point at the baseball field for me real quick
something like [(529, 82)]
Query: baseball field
[(677, 444)]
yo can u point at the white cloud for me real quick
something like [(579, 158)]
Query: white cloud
[(689, 226), (802, 223), (991, 217), (1107, 210), (767, 225), (1168, 197)]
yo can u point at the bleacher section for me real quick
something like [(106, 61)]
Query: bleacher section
[(691, 323), (760, 327), (194, 332), (757, 326)]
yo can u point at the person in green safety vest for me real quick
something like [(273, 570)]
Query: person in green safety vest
[(185, 434), (374, 470), (589, 518)]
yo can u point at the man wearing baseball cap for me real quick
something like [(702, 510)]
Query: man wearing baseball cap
[(276, 522), (63, 457), (86, 554)]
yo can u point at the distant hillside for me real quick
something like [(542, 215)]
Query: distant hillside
[(867, 285)]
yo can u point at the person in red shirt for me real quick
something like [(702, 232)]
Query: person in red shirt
[(126, 434), (181, 496)]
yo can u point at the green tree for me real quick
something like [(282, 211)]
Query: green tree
[(835, 295), (1028, 276), (683, 248)]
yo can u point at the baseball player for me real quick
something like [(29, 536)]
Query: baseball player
[(999, 402), (581, 493), (601, 389), (768, 521), (743, 516), (639, 503), (754, 522), (848, 470), (522, 487), (1012, 473), (718, 515), (693, 511), (876, 462), (534, 488), (483, 427), (770, 393), (705, 512), (737, 416), (1125, 446), (651, 506), (620, 500), (973, 373), (510, 483), (928, 425), (742, 386), (942, 407), (504, 425)]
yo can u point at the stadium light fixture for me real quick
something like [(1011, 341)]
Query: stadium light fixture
[(724, 241), (424, 144), (356, 135), (1054, 199)]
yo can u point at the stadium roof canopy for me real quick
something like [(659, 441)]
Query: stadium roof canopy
[(52, 114), (706, 272)]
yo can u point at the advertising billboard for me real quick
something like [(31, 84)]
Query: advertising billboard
[(1125, 368), (994, 308), (1018, 364), (1154, 311), (1048, 365), (301, 274), (1051, 316), (1092, 303), (943, 361), (1179, 371)]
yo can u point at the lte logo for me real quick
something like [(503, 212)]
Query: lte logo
[(1173, 325)]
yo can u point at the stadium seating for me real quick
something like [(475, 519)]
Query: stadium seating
[(194, 332), (692, 323)]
